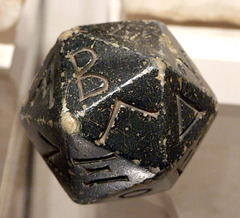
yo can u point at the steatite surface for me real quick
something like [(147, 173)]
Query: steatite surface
[(117, 110)]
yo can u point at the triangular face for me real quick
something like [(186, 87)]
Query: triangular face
[(136, 35), (187, 116), (52, 149)]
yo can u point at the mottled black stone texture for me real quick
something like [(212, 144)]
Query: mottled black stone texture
[(117, 110)]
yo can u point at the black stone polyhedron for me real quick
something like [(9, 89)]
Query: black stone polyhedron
[(117, 110)]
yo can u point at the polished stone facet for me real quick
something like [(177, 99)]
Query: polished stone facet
[(117, 110)]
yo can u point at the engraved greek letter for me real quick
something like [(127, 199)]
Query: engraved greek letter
[(80, 71)]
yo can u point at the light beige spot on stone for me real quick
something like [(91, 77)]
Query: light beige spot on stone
[(216, 106), (132, 38), (180, 83), (97, 142), (71, 172), (179, 62), (169, 43), (145, 114), (184, 149), (115, 45), (69, 123), (165, 142), (68, 34), (81, 113), (41, 121), (26, 117), (50, 123), (154, 169), (137, 162), (164, 111), (161, 66)]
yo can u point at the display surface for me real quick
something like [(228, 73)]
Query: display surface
[(117, 110)]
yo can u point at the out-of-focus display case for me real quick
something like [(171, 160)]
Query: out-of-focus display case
[(209, 187)]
